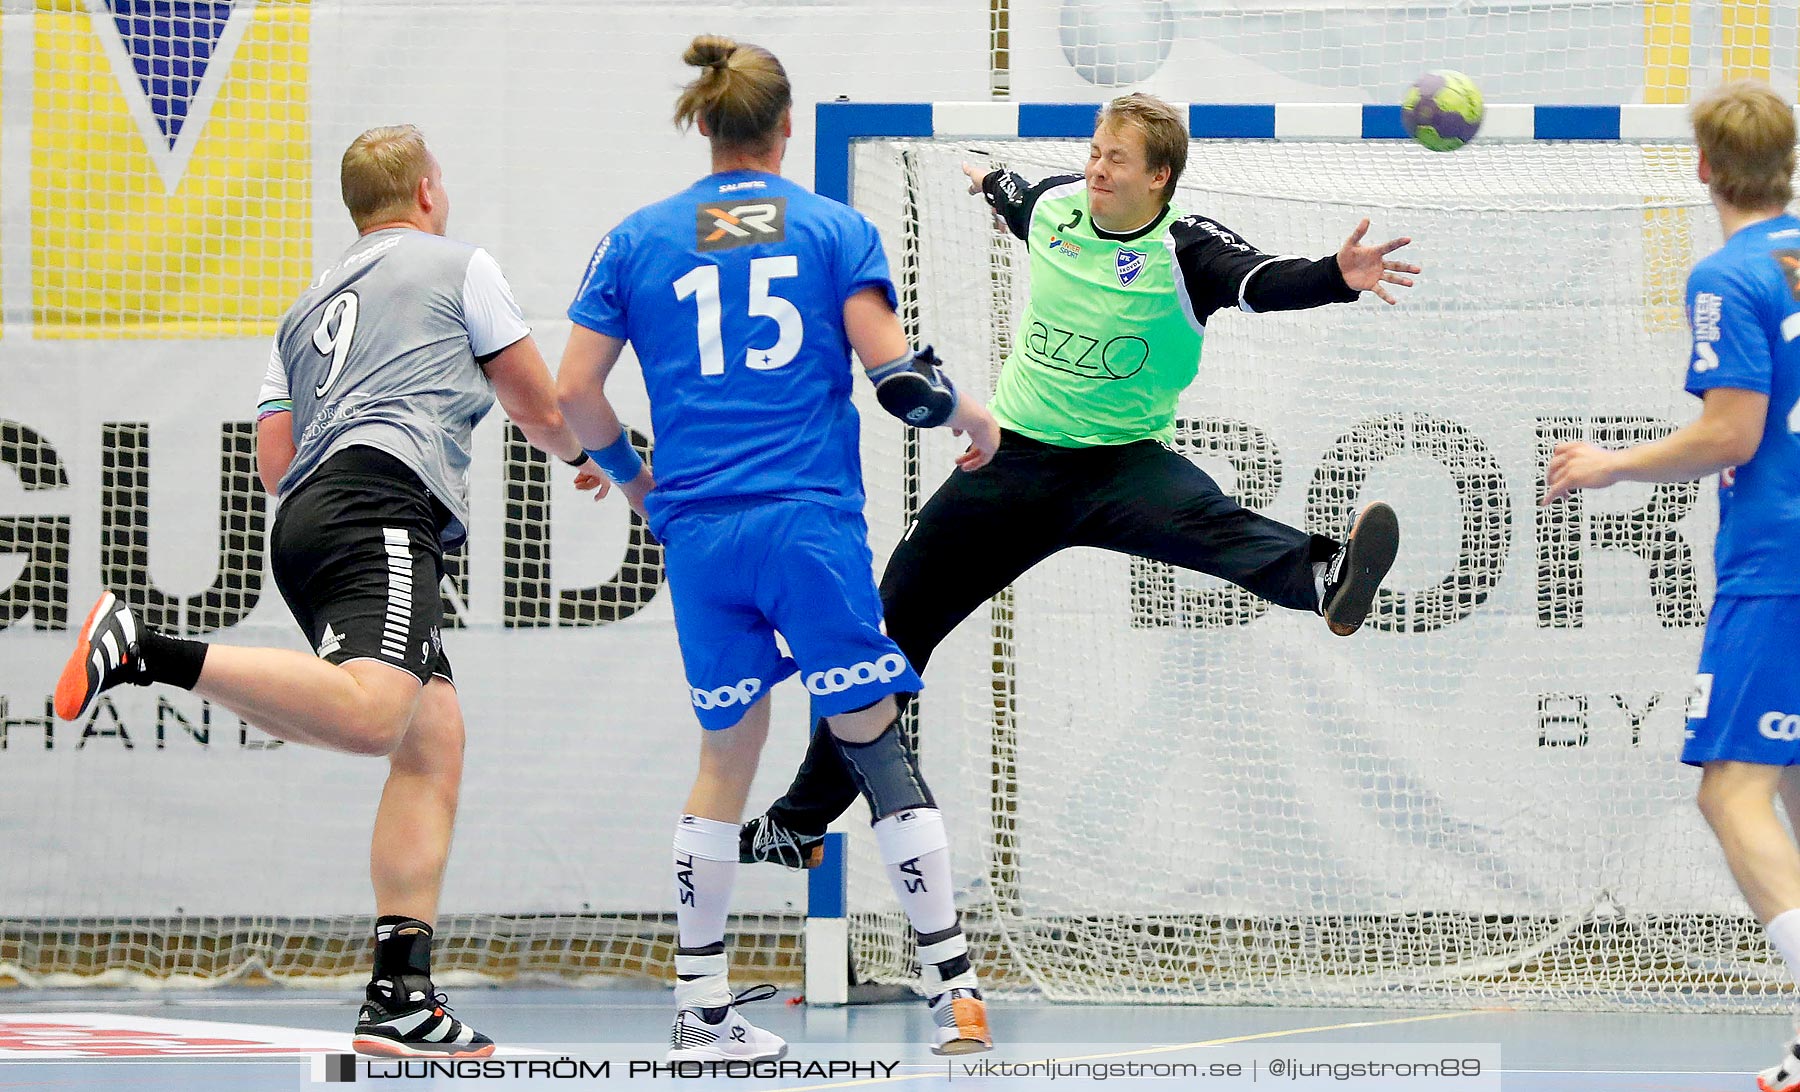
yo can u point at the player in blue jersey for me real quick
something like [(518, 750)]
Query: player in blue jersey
[(742, 296), (1743, 305)]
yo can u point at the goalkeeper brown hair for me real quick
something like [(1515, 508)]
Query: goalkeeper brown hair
[(1165, 133), (741, 94), (1746, 132), (381, 172)]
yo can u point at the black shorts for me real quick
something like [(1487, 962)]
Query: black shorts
[(983, 529), (357, 557)]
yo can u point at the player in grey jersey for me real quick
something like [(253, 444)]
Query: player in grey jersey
[(378, 377)]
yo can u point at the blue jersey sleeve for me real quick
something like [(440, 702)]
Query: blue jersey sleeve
[(864, 261), (600, 301), (1731, 332)]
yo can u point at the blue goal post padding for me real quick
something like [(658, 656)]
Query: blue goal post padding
[(828, 886), (840, 124)]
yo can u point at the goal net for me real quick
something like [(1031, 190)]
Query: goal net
[(1162, 788)]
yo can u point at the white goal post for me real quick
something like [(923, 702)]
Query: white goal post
[(1162, 789)]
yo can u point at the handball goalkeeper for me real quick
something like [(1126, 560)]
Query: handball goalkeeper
[(1122, 283)]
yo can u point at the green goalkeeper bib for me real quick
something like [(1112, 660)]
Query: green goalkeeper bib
[(1107, 343)]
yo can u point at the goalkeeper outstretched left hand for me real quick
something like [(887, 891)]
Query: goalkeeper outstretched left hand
[(1368, 269)]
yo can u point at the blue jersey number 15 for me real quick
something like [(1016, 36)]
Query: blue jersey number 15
[(702, 284)]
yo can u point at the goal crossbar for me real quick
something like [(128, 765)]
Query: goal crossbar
[(841, 123)]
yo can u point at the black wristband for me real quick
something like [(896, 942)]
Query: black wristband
[(579, 460)]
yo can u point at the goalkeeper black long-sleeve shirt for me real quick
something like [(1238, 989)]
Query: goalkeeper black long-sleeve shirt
[(1218, 268)]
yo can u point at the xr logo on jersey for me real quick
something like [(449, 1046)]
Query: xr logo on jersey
[(722, 225)]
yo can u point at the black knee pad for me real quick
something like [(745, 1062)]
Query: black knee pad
[(886, 772)]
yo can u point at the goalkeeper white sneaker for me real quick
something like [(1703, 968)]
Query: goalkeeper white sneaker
[(106, 654), (1784, 1077), (721, 1034)]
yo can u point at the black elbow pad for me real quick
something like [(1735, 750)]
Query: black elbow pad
[(915, 389)]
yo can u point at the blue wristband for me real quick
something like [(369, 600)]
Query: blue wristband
[(891, 368), (619, 459)]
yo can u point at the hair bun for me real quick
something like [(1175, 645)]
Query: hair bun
[(740, 95), (710, 51)]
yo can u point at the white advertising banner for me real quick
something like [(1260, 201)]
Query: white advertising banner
[(1504, 731), (154, 221)]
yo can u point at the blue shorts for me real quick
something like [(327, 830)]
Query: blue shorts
[(1745, 705), (740, 574)]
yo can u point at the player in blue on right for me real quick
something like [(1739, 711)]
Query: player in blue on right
[(743, 296), (1744, 307)]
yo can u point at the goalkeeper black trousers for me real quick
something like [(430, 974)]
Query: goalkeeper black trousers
[(981, 530)]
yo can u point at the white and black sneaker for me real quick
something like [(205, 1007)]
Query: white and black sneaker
[(1355, 572), (402, 1020), (1784, 1077), (106, 654), (764, 839), (720, 1033), (960, 1014)]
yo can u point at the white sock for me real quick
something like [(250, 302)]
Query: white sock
[(949, 953), (917, 855), (1784, 933), (706, 861), (1319, 568)]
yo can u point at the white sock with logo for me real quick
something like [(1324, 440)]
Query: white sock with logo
[(1319, 568), (706, 861), (916, 852), (1784, 934)]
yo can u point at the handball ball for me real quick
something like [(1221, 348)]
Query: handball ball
[(1442, 110)]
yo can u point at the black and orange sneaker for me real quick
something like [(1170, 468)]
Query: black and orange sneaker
[(1355, 572), (106, 654), (410, 1019)]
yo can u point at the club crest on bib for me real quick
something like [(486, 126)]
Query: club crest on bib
[(1129, 264)]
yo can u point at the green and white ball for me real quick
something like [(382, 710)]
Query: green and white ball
[(1442, 110)]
